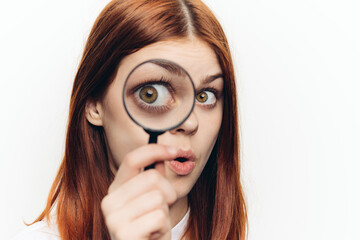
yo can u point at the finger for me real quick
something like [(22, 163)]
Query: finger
[(148, 202), (155, 222), (160, 167), (144, 204), (140, 158), (144, 182)]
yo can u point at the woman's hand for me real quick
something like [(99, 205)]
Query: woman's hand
[(137, 204)]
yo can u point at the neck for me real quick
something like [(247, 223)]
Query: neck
[(178, 210)]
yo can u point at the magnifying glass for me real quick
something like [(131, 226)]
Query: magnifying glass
[(158, 95)]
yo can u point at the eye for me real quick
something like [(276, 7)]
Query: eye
[(148, 94), (154, 95), (206, 97)]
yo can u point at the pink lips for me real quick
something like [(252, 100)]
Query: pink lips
[(183, 168)]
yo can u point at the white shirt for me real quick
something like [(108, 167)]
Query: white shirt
[(179, 228), (42, 231), (39, 231)]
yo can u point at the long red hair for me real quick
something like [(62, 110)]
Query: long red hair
[(218, 209)]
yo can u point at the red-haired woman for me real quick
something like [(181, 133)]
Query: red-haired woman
[(101, 191)]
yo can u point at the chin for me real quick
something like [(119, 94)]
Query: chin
[(182, 185)]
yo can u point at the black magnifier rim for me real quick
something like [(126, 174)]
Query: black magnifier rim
[(151, 61)]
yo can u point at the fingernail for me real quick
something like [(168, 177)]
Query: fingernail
[(172, 150)]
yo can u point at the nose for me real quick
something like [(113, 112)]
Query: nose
[(189, 127)]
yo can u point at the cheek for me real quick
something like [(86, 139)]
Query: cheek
[(212, 120), (122, 134), (210, 123), (122, 139)]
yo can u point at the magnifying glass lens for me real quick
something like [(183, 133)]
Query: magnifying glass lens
[(159, 95)]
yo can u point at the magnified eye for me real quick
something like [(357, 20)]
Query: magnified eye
[(154, 95), (148, 94), (206, 97)]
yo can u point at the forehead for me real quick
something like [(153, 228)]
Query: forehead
[(194, 55)]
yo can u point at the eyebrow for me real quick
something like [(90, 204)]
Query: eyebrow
[(212, 78), (172, 68)]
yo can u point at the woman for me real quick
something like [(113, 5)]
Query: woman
[(101, 191)]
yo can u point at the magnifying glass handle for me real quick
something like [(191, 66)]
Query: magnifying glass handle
[(152, 139)]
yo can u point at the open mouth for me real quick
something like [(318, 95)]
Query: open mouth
[(181, 159), (184, 164)]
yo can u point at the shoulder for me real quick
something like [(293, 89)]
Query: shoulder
[(39, 231)]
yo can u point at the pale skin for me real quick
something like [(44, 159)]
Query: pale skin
[(147, 204)]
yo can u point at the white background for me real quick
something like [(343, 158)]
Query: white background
[(298, 69)]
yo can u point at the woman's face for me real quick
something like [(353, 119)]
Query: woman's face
[(197, 135)]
